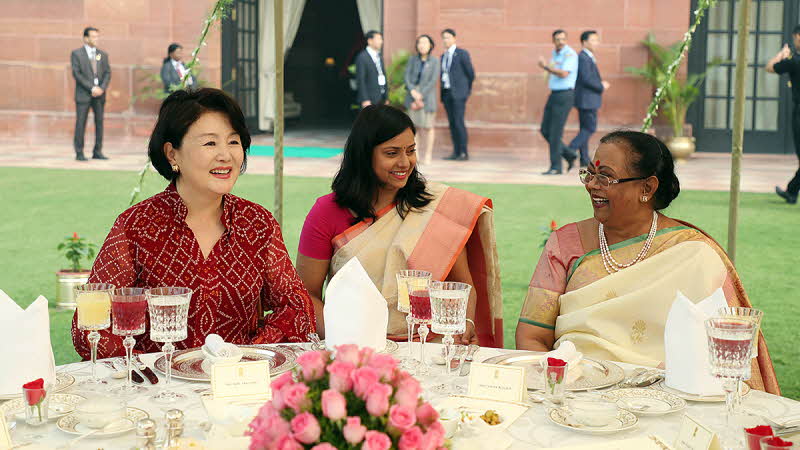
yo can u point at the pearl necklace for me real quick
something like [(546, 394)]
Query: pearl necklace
[(610, 263)]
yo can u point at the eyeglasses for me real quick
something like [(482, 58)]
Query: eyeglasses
[(603, 180)]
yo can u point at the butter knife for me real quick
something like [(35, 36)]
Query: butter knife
[(466, 362), (148, 372)]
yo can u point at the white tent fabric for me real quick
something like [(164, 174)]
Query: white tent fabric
[(292, 13), (371, 15)]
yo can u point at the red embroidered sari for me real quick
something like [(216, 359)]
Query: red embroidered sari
[(150, 245)]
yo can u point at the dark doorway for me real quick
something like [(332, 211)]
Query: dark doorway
[(240, 58), (316, 72), (768, 97)]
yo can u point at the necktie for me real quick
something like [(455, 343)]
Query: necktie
[(94, 61), (449, 61)]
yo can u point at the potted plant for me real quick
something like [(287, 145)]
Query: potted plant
[(395, 77), (75, 249), (679, 93)]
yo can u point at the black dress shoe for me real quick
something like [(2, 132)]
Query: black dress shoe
[(570, 164), (452, 157), (790, 199), (462, 158), (552, 172), (80, 157), (99, 156)]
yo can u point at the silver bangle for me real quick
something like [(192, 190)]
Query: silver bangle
[(472, 322)]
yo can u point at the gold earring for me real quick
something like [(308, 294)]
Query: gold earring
[(175, 168), (644, 199)]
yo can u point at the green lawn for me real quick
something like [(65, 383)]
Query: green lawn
[(40, 207)]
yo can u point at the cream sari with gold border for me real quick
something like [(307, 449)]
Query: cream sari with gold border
[(430, 239)]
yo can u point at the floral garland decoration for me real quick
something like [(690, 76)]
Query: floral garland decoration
[(652, 110), (218, 12)]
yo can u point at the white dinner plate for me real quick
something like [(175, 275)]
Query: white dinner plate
[(72, 424), (60, 405), (63, 381), (625, 420), (653, 402), (661, 385)]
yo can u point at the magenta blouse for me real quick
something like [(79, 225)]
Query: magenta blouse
[(325, 221)]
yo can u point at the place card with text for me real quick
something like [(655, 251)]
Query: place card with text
[(693, 435), (242, 379), (5, 435), (506, 383)]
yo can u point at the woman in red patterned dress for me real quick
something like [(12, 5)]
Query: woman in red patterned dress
[(195, 234)]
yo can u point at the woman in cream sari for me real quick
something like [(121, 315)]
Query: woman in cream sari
[(383, 211), (607, 283)]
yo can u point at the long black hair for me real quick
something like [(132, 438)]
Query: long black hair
[(649, 157), (356, 184), (172, 47)]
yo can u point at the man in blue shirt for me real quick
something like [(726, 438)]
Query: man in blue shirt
[(563, 71)]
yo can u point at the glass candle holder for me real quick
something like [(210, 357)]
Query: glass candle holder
[(753, 436)]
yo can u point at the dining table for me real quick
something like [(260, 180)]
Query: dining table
[(533, 429)]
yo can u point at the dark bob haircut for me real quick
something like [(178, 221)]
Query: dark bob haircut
[(587, 34), (356, 184), (649, 157), (449, 31), (179, 111), (557, 32), (88, 29), (425, 36)]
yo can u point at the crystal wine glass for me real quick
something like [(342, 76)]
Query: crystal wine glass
[(410, 281), (129, 313), (729, 349), (420, 304), (169, 312), (93, 301), (449, 301), (755, 316)]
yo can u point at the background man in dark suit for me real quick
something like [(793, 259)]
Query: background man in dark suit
[(370, 75), (589, 89), (92, 73), (457, 78)]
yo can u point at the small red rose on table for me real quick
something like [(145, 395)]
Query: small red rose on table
[(775, 442), (35, 395)]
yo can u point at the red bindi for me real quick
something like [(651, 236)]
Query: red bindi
[(597, 163)]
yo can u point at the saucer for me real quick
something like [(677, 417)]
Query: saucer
[(653, 402), (562, 417)]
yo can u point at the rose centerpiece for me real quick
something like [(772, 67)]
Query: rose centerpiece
[(35, 394), (359, 399)]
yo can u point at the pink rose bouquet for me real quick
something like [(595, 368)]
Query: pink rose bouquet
[(357, 400)]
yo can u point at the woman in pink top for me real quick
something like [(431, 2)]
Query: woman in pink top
[(383, 211)]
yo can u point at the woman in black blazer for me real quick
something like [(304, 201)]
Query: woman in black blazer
[(422, 72)]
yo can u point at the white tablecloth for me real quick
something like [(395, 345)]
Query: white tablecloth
[(532, 430)]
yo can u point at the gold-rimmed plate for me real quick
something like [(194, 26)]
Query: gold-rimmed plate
[(391, 346), (72, 424), (646, 402), (625, 420), (60, 405), (188, 364), (63, 381), (661, 385), (595, 374)]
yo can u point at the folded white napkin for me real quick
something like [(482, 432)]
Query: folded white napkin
[(24, 344), (686, 345), (566, 351), (218, 347), (355, 311)]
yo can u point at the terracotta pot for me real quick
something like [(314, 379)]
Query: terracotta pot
[(681, 148), (66, 281)]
